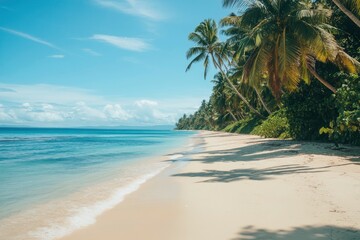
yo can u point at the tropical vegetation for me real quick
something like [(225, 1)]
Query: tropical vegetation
[(287, 69)]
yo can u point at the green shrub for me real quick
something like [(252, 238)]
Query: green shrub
[(248, 125), (232, 127), (244, 126), (275, 126), (346, 127), (308, 109)]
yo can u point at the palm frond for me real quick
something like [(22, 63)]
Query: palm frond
[(198, 58), (194, 50), (256, 66), (206, 66), (289, 61), (347, 62), (237, 3)]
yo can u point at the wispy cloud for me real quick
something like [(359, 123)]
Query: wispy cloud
[(46, 93), (57, 56), (132, 44), (29, 37), (140, 8), (91, 52)]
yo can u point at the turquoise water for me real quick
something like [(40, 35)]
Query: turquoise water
[(39, 165)]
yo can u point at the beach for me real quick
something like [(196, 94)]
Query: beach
[(242, 187), (56, 181)]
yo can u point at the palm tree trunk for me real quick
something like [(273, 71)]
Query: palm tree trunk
[(262, 101), (234, 88), (258, 94), (240, 115), (347, 12), (323, 81), (209, 122), (232, 115)]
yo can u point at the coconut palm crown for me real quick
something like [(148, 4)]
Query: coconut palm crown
[(209, 48), (282, 40)]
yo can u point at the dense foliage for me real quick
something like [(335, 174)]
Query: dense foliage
[(287, 69), (275, 126), (346, 126)]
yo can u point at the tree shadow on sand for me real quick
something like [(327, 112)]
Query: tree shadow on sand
[(253, 174), (262, 149), (301, 233)]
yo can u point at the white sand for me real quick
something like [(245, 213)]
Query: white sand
[(243, 187)]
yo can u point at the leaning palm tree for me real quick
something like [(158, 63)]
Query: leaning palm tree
[(208, 48), (283, 39), (234, 31), (223, 99), (354, 6)]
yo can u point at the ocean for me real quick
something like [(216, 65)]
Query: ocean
[(54, 181)]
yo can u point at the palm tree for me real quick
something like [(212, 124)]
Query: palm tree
[(209, 48), (355, 6), (223, 99), (343, 5), (283, 39), (235, 32)]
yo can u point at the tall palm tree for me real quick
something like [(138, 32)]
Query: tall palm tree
[(283, 39), (208, 48), (234, 31)]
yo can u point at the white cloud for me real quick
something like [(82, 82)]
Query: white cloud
[(116, 112), (50, 105), (4, 115), (40, 113), (146, 103), (29, 37), (27, 107), (140, 8), (132, 44), (46, 117), (146, 111), (84, 112), (91, 52), (57, 56)]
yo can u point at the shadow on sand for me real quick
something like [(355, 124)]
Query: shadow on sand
[(253, 174), (301, 233), (262, 149), (256, 149)]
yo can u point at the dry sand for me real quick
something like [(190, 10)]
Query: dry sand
[(243, 187)]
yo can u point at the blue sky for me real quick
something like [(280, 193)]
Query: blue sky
[(100, 62)]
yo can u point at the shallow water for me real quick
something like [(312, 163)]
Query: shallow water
[(53, 181)]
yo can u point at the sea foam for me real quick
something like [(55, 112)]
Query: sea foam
[(85, 216)]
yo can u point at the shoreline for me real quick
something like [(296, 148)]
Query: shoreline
[(60, 217), (242, 187)]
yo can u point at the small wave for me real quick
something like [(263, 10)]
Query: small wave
[(85, 216)]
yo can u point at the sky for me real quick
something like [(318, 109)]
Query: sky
[(68, 63)]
